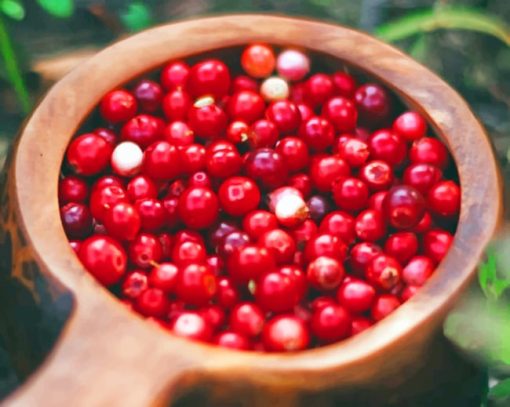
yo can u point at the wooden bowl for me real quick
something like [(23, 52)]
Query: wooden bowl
[(95, 352)]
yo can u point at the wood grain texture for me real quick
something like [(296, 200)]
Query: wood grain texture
[(105, 355)]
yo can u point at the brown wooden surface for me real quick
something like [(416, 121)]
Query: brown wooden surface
[(105, 355)]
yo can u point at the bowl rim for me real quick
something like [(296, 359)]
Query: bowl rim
[(44, 138)]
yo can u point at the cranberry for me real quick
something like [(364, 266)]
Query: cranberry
[(72, 189), (325, 245), (176, 105), (187, 235), (318, 206), (408, 292), (122, 221), (341, 112), (191, 325), (374, 105), (152, 303), (362, 255), (232, 242), (355, 152), (345, 85), (145, 250), (107, 181), (384, 272), (219, 231), (193, 158), (339, 224), (404, 206), (285, 333), (319, 88), (175, 75), (422, 176), (249, 263), (326, 169), (428, 150), (179, 134), (134, 284), (104, 258), (246, 105), (266, 166), (325, 273), (262, 133), (257, 222), (232, 340), (238, 195), (383, 306), (171, 206), (207, 119), (141, 187), (280, 243), (277, 292), (223, 163), (292, 65), (376, 200), (89, 154), (410, 125), (350, 193), (285, 115), (418, 270), (152, 214), (198, 207), (295, 153), (302, 183), (196, 284), (108, 135), (162, 161), (402, 246), (164, 276), (103, 199), (118, 106), (214, 315), (148, 94), (387, 146), (288, 205), (188, 252), (357, 296), (370, 225), (424, 225), (210, 77), (76, 220), (444, 199), (305, 111), (258, 60), (227, 294), (243, 82), (318, 133), (331, 323), (436, 244), (238, 131), (247, 319), (304, 232), (143, 130), (360, 324), (377, 175)]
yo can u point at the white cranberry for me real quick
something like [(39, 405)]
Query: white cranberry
[(288, 205), (274, 88), (127, 159)]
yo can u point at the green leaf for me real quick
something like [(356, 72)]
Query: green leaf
[(419, 49), (448, 17), (500, 390), (13, 9), (487, 273), (58, 8), (136, 17)]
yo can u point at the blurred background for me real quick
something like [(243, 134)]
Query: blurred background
[(467, 42)]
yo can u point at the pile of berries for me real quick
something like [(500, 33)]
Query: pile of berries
[(259, 212)]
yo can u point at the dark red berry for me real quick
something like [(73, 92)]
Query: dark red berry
[(404, 207), (196, 284), (89, 154), (331, 323), (198, 207)]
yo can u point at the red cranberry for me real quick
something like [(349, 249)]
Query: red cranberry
[(276, 292), (118, 106), (298, 278), (175, 75), (238, 131), (210, 77), (360, 324), (223, 163), (325, 273), (148, 94), (258, 60), (162, 161), (387, 146), (262, 133), (238, 195), (319, 88), (285, 115), (422, 176), (196, 284), (103, 199), (199, 180), (187, 235), (249, 263), (280, 243), (72, 189), (198, 207), (176, 105), (339, 224), (302, 183), (246, 105), (215, 263), (76, 220), (167, 242), (304, 232), (191, 325), (247, 319), (145, 250), (341, 112), (221, 230), (188, 252), (326, 169), (192, 158), (207, 119), (143, 130), (408, 292), (318, 133), (104, 258), (374, 105), (418, 270), (325, 245), (350, 193), (377, 175), (402, 246), (231, 243), (376, 200), (295, 153), (305, 111), (257, 222), (355, 152), (428, 150), (285, 333), (298, 93), (171, 206), (141, 187), (243, 82), (152, 213), (331, 323), (424, 225), (134, 284), (362, 255), (232, 340), (179, 134), (89, 154), (108, 135), (345, 85), (357, 296), (404, 207), (227, 294), (444, 198), (410, 126), (436, 244), (370, 225), (164, 276), (266, 166), (152, 303), (384, 272), (383, 306), (107, 181), (321, 302), (214, 315), (122, 221)]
